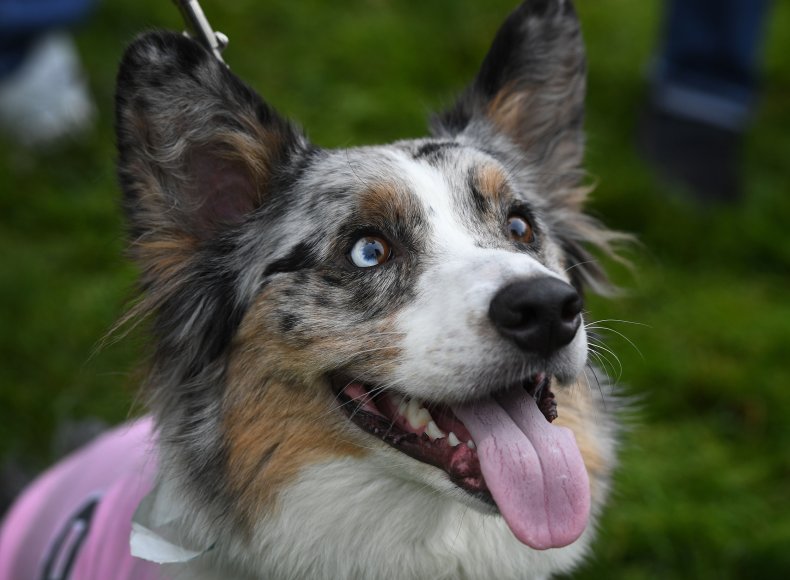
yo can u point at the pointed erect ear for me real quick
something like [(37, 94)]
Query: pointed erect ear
[(198, 149), (530, 87)]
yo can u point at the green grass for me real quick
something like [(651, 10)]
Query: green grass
[(704, 486)]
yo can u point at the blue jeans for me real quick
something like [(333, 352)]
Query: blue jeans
[(708, 67), (22, 21)]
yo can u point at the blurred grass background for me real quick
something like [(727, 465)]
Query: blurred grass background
[(704, 487)]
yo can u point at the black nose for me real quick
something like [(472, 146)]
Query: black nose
[(539, 315)]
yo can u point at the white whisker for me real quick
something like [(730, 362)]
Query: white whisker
[(624, 337)]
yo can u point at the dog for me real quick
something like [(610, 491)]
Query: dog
[(367, 363)]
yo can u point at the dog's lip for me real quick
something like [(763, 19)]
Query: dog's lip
[(377, 412)]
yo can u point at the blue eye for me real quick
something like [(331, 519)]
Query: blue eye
[(370, 251)]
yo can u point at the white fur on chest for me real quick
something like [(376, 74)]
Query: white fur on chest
[(347, 520)]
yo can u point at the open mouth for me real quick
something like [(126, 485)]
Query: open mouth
[(502, 450), (430, 432)]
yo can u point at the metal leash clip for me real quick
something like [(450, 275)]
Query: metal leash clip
[(200, 29)]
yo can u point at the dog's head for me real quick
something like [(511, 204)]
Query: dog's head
[(413, 306)]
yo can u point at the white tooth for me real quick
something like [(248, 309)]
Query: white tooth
[(409, 410), (470, 444), (423, 417), (412, 406), (434, 432), (453, 440), (417, 415)]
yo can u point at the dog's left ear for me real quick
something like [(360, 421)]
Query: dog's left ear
[(530, 88)]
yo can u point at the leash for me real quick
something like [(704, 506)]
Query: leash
[(199, 28)]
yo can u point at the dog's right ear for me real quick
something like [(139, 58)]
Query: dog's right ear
[(530, 89), (198, 149)]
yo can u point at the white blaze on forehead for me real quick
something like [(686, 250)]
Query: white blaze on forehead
[(440, 202), (448, 338), (452, 246)]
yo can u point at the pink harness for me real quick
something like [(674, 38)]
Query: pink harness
[(74, 521)]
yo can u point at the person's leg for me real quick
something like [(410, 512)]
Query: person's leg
[(704, 91), (709, 66), (25, 18)]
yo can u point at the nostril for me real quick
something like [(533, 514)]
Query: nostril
[(521, 319), (571, 308)]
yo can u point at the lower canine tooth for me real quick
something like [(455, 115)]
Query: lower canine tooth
[(434, 432), (470, 444), (453, 440)]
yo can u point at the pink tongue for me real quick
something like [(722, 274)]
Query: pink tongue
[(533, 469)]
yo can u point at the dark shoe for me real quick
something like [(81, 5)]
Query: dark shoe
[(702, 158)]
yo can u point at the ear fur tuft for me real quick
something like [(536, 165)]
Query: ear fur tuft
[(530, 88), (198, 149)]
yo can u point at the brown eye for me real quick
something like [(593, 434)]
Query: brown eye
[(520, 229), (370, 251)]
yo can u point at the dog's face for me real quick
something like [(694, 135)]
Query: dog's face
[(411, 306)]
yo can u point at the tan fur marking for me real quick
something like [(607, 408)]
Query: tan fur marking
[(280, 415), (491, 182), (533, 117), (255, 149), (387, 202), (273, 430), (377, 196), (506, 110)]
